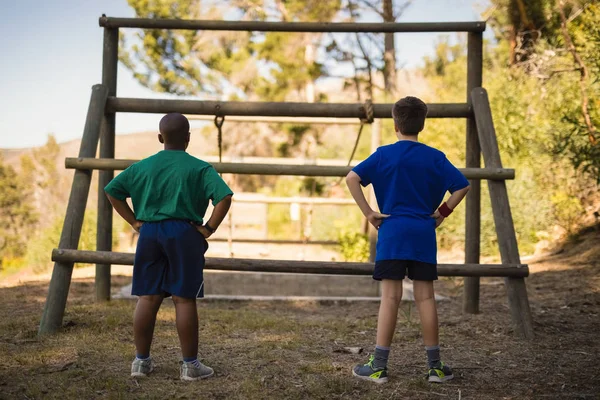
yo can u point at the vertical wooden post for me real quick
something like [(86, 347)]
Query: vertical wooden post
[(507, 239), (107, 150), (473, 158), (69, 239)]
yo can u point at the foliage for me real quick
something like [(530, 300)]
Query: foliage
[(354, 246), (524, 110), (270, 65), (17, 214), (40, 247), (557, 44)]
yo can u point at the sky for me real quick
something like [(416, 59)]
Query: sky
[(52, 56)]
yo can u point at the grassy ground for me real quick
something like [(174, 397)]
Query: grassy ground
[(292, 350)]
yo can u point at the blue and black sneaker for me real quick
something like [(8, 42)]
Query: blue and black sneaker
[(440, 373), (369, 373)]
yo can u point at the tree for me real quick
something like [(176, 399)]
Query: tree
[(238, 64), (16, 213), (561, 47), (41, 175)]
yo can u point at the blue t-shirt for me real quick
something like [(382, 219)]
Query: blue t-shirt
[(410, 180)]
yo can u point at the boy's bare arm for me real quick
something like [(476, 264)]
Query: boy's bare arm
[(125, 211), (452, 202), (218, 215), (353, 182)]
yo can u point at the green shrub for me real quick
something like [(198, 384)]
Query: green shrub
[(354, 246)]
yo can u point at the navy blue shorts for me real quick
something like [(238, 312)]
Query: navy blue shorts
[(397, 269), (169, 260)]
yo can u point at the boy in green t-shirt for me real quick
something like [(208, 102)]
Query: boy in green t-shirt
[(170, 192)]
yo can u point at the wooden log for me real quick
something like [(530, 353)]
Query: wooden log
[(473, 160), (273, 109), (279, 120), (278, 169), (69, 239), (287, 266), (507, 239), (278, 241), (104, 225), (268, 26)]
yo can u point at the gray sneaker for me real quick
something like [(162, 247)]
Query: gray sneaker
[(141, 368), (189, 372), (441, 373)]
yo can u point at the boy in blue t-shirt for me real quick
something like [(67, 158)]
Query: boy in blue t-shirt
[(410, 180)]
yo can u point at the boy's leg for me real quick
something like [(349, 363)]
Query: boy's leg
[(185, 248), (376, 369), (186, 320), (391, 295), (148, 270), (144, 319), (425, 299)]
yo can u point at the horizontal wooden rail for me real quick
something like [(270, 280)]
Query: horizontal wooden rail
[(273, 109), (279, 120), (285, 266), (268, 26), (277, 169), (278, 241)]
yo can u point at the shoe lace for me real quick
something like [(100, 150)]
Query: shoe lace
[(370, 363)]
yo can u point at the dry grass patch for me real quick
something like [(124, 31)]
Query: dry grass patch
[(290, 350)]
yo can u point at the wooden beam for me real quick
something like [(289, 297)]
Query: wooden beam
[(273, 109), (473, 160), (505, 230), (278, 241), (278, 169), (104, 223), (279, 120), (268, 26), (287, 266), (60, 282)]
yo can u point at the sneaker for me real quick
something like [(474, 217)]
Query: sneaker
[(189, 372), (141, 368), (367, 372), (441, 374)]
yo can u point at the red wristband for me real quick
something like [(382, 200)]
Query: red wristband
[(444, 210)]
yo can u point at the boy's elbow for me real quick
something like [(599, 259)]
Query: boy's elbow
[(352, 177)]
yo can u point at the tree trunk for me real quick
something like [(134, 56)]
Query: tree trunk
[(389, 57)]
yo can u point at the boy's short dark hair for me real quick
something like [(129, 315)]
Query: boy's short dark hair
[(175, 128), (409, 115)]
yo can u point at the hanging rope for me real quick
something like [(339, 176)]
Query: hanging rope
[(219, 120), (368, 119)]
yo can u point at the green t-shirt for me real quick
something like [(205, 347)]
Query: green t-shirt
[(169, 185)]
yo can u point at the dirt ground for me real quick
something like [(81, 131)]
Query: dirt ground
[(292, 350)]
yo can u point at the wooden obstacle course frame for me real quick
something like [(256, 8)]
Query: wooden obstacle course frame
[(274, 109), (281, 169), (479, 128), (69, 238), (268, 26), (295, 267), (505, 229)]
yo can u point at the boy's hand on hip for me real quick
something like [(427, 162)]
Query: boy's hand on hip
[(439, 218), (376, 219), (205, 232), (137, 225)]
